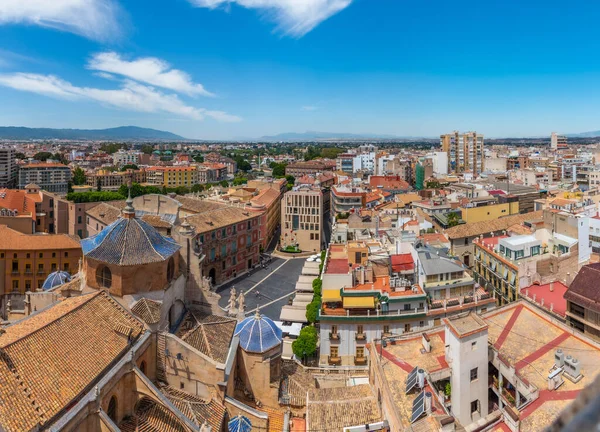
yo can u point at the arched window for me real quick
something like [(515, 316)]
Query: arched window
[(112, 409), (103, 277), (143, 367), (170, 269)]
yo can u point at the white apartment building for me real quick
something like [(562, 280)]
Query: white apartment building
[(8, 168), (49, 176), (126, 157)]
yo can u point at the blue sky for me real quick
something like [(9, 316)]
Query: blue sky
[(220, 69)]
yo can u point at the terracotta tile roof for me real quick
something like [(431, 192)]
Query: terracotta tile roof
[(14, 240), (266, 197), (196, 205), (152, 416), (197, 409), (219, 218), (584, 288), (105, 213), (485, 227), (402, 262), (209, 334), (48, 359), (336, 408), (156, 221), (19, 200), (147, 310), (389, 182)]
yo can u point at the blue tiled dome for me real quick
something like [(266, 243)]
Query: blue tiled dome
[(129, 241), (239, 424), (55, 279), (258, 334)]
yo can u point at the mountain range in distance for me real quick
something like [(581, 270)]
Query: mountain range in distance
[(312, 135), (118, 133), (591, 134)]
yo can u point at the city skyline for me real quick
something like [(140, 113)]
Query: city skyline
[(242, 69)]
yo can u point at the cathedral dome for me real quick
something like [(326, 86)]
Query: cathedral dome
[(258, 334), (129, 241), (55, 279)]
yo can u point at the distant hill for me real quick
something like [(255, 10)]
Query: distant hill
[(311, 136), (118, 133), (591, 134)]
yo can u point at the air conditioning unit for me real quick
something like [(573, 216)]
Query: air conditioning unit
[(559, 358)]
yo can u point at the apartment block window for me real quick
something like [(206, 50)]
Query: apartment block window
[(53, 254), (475, 406), (386, 329), (473, 374), (360, 352), (15, 266), (66, 267), (249, 225), (406, 327), (359, 329), (334, 351), (473, 346), (28, 255)]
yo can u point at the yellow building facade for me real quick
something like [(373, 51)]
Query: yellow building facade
[(489, 212)]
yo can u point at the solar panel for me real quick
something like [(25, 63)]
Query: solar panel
[(411, 379), (411, 384), (418, 407), (419, 399), (412, 374)]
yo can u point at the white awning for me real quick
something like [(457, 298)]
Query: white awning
[(293, 314)]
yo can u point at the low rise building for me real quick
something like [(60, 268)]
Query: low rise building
[(113, 180), (27, 259), (298, 169), (172, 176)]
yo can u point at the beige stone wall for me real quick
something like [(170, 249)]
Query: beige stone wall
[(255, 371), (195, 373)]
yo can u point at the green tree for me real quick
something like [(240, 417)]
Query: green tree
[(42, 156), (317, 284), (78, 176), (130, 166), (98, 185), (83, 197), (61, 158), (110, 148), (70, 187), (331, 152), (199, 158), (453, 219), (278, 169), (306, 344), (242, 164), (225, 183), (20, 155), (434, 184), (197, 188), (239, 181), (311, 153), (312, 309), (147, 149)]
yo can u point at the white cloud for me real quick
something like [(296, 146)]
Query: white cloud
[(293, 17), (309, 108), (94, 19), (149, 70), (130, 96)]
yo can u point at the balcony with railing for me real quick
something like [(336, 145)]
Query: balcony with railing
[(334, 336), (334, 361), (360, 337), (360, 360)]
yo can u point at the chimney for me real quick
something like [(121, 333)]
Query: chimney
[(568, 281), (551, 286)]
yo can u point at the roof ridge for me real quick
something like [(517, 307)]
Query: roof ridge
[(147, 238), (206, 343)]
